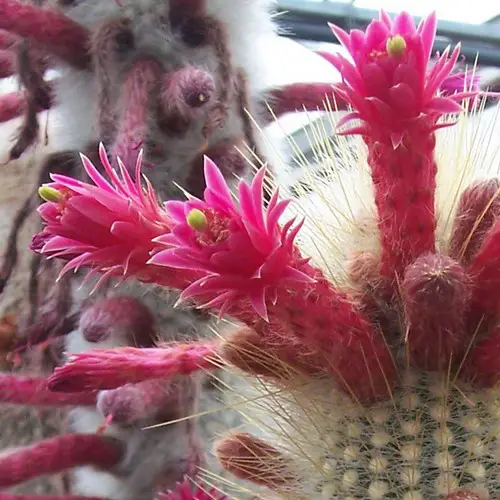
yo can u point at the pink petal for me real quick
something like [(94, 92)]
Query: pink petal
[(295, 275), (223, 301), (351, 76), (73, 265), (402, 99), (176, 210), (58, 243), (375, 79), (258, 196), (272, 295), (127, 180), (357, 42), (385, 19), (274, 200), (193, 290), (246, 204), (376, 34), (386, 113), (428, 33), (347, 118), (48, 211), (403, 24), (341, 35), (397, 139), (123, 230), (68, 182), (170, 258), (361, 130), (275, 214), (289, 237), (94, 174), (215, 181), (331, 58), (258, 301), (444, 105), (92, 210), (441, 69)]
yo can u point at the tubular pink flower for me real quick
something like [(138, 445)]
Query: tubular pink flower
[(397, 98), (34, 391), (108, 225), (239, 249), (236, 258), (58, 454), (389, 85), (185, 491), (111, 368)]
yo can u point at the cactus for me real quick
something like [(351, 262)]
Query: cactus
[(376, 377)]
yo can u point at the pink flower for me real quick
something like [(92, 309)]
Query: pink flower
[(100, 369), (108, 226), (239, 249), (460, 82), (389, 85), (185, 491)]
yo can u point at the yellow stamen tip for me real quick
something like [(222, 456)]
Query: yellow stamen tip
[(197, 219), (49, 194), (395, 46)]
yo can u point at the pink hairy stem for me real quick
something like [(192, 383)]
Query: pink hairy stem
[(112, 368), (396, 109), (404, 176), (56, 33), (133, 402), (110, 39), (12, 105), (302, 97), (482, 364), (58, 454), (485, 271), (436, 293), (33, 391), (7, 40), (7, 63), (478, 209), (328, 322), (135, 100), (8, 496), (269, 357), (254, 460)]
